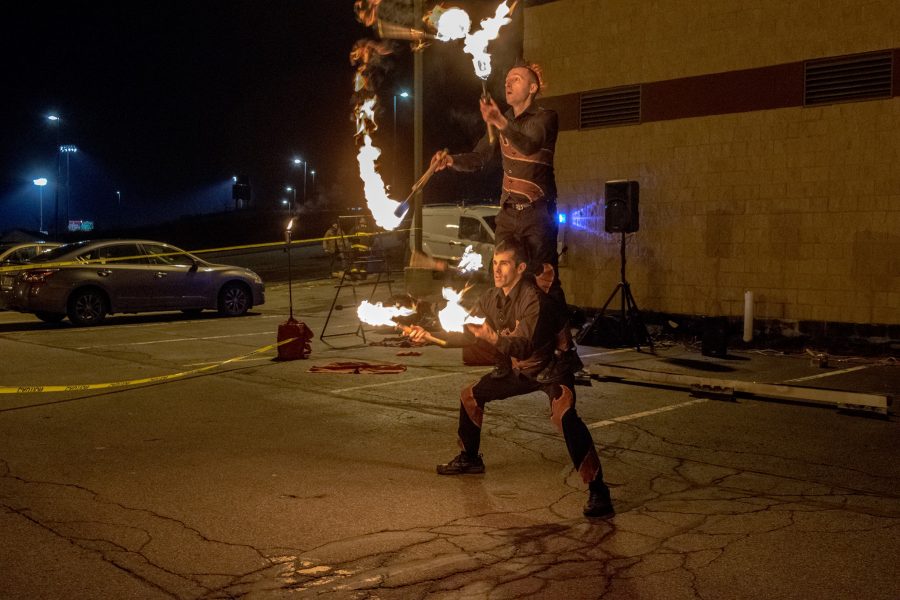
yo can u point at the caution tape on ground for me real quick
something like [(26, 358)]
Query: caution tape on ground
[(46, 389)]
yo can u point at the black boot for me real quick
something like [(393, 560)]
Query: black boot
[(463, 464), (599, 504)]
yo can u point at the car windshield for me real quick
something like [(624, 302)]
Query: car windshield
[(491, 222), (56, 253)]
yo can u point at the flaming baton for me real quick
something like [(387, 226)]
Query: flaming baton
[(451, 24), (377, 314), (455, 23)]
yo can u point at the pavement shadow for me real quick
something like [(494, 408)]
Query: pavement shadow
[(699, 365)]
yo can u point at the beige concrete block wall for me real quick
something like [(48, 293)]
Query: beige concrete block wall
[(590, 44), (799, 205)]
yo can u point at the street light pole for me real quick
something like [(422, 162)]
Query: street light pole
[(305, 165), (299, 161), (68, 149), (293, 192), (41, 182), (57, 120), (403, 94)]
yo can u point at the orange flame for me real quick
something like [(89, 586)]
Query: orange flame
[(470, 262), (366, 11), (453, 316), (454, 24), (364, 55), (378, 314)]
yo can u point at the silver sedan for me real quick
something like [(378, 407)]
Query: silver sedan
[(89, 280)]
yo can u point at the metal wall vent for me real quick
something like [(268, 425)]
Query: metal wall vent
[(847, 78), (614, 106)]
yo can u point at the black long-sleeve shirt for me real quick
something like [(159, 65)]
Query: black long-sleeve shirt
[(527, 145), (525, 323)]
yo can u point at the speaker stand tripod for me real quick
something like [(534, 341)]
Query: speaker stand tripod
[(631, 322)]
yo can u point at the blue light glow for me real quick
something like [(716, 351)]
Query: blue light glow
[(561, 217), (589, 218)]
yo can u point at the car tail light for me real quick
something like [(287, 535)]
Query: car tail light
[(39, 276)]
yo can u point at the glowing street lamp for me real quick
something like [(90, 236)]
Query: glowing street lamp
[(41, 182)]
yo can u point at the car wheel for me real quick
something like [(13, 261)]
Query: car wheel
[(234, 299), (49, 317), (87, 307), (192, 312)]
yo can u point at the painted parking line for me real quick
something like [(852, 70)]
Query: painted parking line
[(407, 381), (105, 328), (827, 374), (622, 351), (646, 413), (187, 339)]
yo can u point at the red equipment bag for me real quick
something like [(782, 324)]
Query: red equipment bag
[(299, 347)]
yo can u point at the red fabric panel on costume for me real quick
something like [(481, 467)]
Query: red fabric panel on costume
[(559, 407), (476, 414)]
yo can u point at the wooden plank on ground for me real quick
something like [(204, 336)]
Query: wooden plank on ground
[(841, 399)]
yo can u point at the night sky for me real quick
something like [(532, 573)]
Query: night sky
[(167, 100)]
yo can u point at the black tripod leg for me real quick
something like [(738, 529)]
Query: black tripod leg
[(636, 325), (610, 299)]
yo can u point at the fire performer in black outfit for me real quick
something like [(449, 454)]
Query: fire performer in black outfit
[(527, 142), (522, 324)]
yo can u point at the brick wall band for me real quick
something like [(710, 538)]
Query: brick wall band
[(742, 187), (763, 88)]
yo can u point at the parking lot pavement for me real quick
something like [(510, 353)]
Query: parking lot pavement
[(261, 479)]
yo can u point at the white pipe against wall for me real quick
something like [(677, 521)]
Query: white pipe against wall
[(748, 316)]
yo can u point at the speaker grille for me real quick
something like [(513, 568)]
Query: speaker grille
[(848, 78), (614, 106)]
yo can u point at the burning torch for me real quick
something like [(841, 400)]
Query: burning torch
[(486, 98), (378, 314)]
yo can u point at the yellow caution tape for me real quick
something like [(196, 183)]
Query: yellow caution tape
[(46, 389), (103, 261)]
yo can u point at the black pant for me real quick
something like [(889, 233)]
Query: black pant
[(563, 414), (536, 227)]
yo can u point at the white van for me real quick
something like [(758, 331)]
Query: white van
[(448, 228)]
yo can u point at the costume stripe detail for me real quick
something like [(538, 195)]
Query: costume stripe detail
[(529, 189), (543, 156), (475, 412), (589, 466), (525, 159), (560, 406)]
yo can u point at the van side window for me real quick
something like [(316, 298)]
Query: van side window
[(471, 229)]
